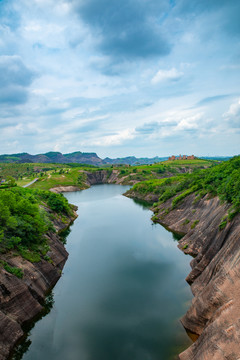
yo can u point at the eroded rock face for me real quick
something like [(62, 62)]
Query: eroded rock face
[(61, 189), (21, 299), (102, 177), (214, 315)]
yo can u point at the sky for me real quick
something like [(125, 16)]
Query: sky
[(119, 78)]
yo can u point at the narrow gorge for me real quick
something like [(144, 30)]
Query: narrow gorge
[(212, 321), (210, 235), (213, 318)]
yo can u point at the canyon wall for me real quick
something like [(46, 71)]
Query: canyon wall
[(21, 300), (213, 320)]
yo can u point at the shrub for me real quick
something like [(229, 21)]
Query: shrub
[(194, 224), (154, 218), (31, 256), (13, 270), (223, 225)]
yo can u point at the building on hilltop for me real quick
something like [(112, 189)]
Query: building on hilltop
[(181, 157)]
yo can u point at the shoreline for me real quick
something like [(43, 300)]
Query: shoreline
[(212, 321), (206, 317), (23, 299)]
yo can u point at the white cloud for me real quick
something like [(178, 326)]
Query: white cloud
[(113, 140), (232, 116), (190, 122), (233, 111), (167, 75)]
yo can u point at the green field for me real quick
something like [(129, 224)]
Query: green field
[(222, 180), (52, 175)]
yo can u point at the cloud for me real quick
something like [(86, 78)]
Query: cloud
[(126, 29), (232, 116), (190, 122), (9, 16), (15, 80), (148, 128), (153, 127), (167, 75), (116, 139), (226, 12), (211, 99)]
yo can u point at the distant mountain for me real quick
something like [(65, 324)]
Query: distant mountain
[(54, 157), (76, 157), (132, 160)]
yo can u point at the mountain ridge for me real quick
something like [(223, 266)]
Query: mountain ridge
[(90, 158)]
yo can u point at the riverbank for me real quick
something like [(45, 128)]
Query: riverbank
[(22, 299), (117, 297), (213, 318), (211, 228)]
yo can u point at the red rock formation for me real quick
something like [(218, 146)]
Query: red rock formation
[(213, 319), (214, 315), (21, 299)]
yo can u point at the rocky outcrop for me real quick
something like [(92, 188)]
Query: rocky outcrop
[(213, 320), (61, 189), (114, 176), (103, 177), (149, 198), (109, 177), (21, 300), (92, 178)]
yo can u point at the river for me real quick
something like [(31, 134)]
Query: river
[(123, 287)]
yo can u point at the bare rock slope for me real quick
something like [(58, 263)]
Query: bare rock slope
[(22, 299), (213, 320)]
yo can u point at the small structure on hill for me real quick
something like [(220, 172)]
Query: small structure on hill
[(182, 157)]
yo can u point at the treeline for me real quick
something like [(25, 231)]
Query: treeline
[(222, 180), (24, 219)]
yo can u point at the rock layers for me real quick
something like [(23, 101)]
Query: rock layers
[(213, 319), (22, 299)]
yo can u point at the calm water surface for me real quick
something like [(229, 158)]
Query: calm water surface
[(122, 291)]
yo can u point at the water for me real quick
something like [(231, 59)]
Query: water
[(123, 289)]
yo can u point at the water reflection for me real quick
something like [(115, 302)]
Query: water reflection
[(144, 204), (123, 288), (24, 345)]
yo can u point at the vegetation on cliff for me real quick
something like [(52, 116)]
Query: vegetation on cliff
[(222, 180), (52, 175), (25, 219)]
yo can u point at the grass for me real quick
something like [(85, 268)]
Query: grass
[(29, 255), (195, 162), (222, 180), (69, 177), (12, 269), (52, 175), (194, 224), (223, 225)]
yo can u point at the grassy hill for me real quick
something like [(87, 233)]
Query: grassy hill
[(52, 175), (222, 180)]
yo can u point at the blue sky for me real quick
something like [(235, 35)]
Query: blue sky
[(129, 77)]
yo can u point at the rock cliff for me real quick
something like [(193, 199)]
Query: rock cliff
[(103, 177), (213, 320), (21, 300)]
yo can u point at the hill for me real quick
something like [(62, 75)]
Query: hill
[(53, 157), (76, 157)]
